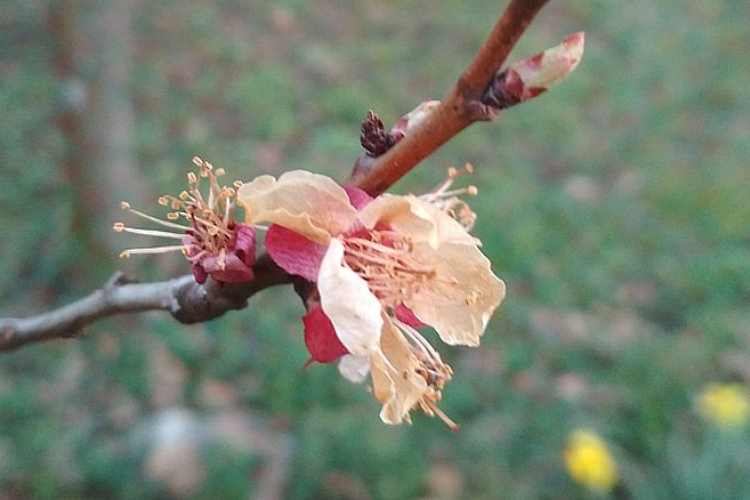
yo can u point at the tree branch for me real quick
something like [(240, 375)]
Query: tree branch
[(461, 107), (186, 300), (190, 302)]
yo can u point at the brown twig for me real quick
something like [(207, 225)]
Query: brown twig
[(461, 107), (190, 302), (186, 300)]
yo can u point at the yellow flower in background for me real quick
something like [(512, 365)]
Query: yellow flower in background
[(590, 462), (725, 405)]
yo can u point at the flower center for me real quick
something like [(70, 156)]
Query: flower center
[(384, 259), (212, 218)]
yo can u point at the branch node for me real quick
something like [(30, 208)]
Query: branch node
[(481, 111), (362, 166), (75, 331), (120, 278), (7, 332)]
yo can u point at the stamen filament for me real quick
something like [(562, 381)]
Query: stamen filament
[(395, 265), (374, 246), (442, 416), (147, 232), (133, 251), (470, 190), (415, 336), (378, 254), (209, 224), (126, 206), (196, 257)]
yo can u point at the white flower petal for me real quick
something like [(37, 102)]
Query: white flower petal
[(461, 302), (395, 381), (309, 204), (347, 301), (416, 218), (354, 368)]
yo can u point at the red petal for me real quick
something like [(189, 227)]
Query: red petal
[(320, 337), (295, 254), (406, 315)]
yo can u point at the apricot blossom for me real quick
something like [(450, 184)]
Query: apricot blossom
[(382, 267)]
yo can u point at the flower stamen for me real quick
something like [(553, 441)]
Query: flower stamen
[(126, 206), (384, 259), (432, 369), (152, 250), (447, 200), (121, 228), (213, 242), (431, 409)]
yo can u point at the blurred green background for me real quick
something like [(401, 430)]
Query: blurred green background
[(615, 207)]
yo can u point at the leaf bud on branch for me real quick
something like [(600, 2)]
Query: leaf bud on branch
[(531, 77)]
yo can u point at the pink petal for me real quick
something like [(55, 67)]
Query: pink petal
[(406, 315), (230, 269), (294, 253), (191, 244), (236, 265), (320, 337), (357, 197), (199, 273), (244, 244)]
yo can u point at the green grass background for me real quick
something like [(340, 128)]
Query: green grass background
[(615, 207)]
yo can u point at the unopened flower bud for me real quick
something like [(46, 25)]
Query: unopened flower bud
[(530, 77)]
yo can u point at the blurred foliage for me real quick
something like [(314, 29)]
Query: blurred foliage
[(615, 208)]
